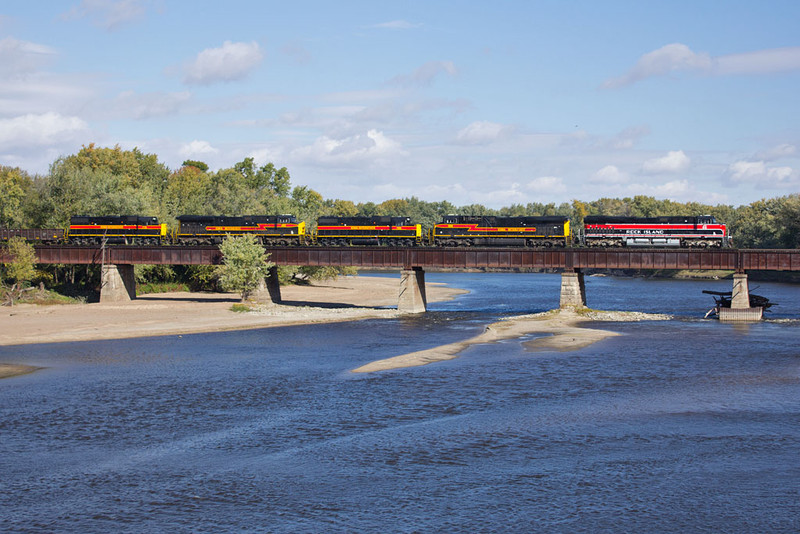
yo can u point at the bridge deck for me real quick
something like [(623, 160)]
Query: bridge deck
[(739, 260)]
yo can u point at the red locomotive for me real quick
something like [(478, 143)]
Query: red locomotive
[(696, 232)]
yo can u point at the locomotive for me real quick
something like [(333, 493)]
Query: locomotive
[(270, 230), (116, 230), (453, 231), (375, 230), (695, 232), (490, 230)]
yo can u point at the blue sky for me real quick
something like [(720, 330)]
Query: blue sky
[(472, 102)]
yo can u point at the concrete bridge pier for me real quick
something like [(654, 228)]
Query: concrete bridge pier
[(573, 290), (117, 283), (740, 309), (412, 291), (269, 290)]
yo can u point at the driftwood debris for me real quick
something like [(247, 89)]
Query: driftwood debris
[(722, 299)]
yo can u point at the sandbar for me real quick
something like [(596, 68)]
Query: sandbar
[(562, 329), (13, 369)]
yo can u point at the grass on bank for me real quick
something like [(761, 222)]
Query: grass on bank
[(10, 296), (148, 288)]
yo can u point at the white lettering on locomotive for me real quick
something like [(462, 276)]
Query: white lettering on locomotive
[(645, 232)]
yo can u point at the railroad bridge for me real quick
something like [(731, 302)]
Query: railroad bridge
[(119, 284)]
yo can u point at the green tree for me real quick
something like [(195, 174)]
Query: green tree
[(78, 191), (101, 181), (154, 173), (231, 194), (757, 225), (610, 206), (427, 213), (278, 180), (199, 165), (340, 208), (396, 207), (264, 179), (644, 206), (367, 209), (307, 205), (580, 210), (15, 185), (22, 267), (475, 209), (187, 192), (514, 210), (244, 264), (121, 163), (788, 219)]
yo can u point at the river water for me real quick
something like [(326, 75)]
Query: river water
[(685, 425)]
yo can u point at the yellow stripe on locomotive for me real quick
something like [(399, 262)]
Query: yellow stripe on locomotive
[(490, 230)]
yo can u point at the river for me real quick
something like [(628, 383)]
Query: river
[(684, 425)]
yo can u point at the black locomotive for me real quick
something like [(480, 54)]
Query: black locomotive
[(490, 230), (376, 231), (272, 230)]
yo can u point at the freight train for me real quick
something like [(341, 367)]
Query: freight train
[(453, 231)]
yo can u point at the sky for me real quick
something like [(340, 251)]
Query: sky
[(494, 103)]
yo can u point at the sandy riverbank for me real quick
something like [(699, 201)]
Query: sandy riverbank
[(561, 328)]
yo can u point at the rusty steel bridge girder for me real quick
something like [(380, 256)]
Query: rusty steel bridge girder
[(739, 260), (128, 255)]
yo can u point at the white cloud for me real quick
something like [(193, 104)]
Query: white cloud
[(500, 197), (264, 155), (39, 93), (759, 62), (197, 148), (629, 137), (452, 191), (373, 145), (669, 58), (231, 61), (758, 172), (144, 106), (40, 130), (546, 184), (777, 152), (678, 190), (26, 89), (609, 174), (674, 161), (482, 133), (22, 57), (109, 14), (672, 189), (397, 25), (426, 74), (677, 57)]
